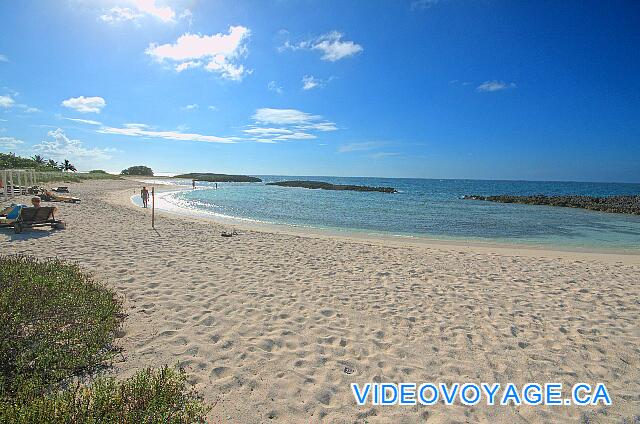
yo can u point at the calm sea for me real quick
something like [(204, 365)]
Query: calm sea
[(427, 208)]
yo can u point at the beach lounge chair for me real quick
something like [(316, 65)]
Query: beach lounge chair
[(49, 196), (36, 217), (10, 214)]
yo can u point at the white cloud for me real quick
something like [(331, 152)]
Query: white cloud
[(309, 82), (258, 131), (120, 14), (190, 107), (84, 121), (357, 147), (136, 125), (274, 125), (495, 86), (277, 134), (334, 48), (213, 108), (269, 126), (283, 116), (142, 130), (9, 102), (6, 101), (85, 104), (320, 126), (62, 147), (139, 9), (273, 86), (188, 15), (330, 44), (164, 13), (9, 142), (188, 65), (216, 53), (382, 155), (3, 58)]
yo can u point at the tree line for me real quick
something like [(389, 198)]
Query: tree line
[(11, 161)]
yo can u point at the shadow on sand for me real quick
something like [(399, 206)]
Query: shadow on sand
[(27, 234)]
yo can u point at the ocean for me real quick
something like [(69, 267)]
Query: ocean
[(429, 208)]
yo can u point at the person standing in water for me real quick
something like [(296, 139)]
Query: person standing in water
[(144, 193), (193, 182)]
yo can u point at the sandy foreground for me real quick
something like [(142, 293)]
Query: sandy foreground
[(265, 322)]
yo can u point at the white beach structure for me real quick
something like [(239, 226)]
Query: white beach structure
[(13, 182)]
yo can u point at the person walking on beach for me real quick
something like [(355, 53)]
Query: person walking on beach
[(144, 193)]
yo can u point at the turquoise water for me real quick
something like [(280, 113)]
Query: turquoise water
[(429, 208)]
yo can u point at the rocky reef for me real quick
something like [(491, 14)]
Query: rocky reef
[(327, 186), (219, 178), (613, 204)]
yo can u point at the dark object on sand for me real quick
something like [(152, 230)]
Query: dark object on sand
[(37, 217), (613, 204), (327, 186), (61, 189), (219, 178), (229, 234)]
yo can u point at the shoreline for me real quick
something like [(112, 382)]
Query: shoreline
[(516, 249)]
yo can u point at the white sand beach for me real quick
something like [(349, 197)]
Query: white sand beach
[(265, 322)]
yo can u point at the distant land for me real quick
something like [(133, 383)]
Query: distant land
[(327, 186), (219, 178), (613, 204)]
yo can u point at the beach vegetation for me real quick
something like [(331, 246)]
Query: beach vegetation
[(39, 160), (48, 170), (77, 177), (12, 161), (67, 166), (57, 326), (138, 170)]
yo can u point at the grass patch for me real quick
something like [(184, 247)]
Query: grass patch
[(56, 326), (69, 177), (55, 322), (151, 396)]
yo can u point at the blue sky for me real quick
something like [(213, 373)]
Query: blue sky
[(428, 88)]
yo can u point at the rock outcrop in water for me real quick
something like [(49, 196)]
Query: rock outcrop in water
[(219, 178), (327, 186), (614, 204)]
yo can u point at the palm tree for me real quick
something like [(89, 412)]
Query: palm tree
[(67, 166), (52, 163), (39, 160)]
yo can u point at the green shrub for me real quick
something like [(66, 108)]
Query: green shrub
[(97, 171), (138, 170), (151, 396), (48, 177), (11, 161), (56, 327), (55, 322)]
